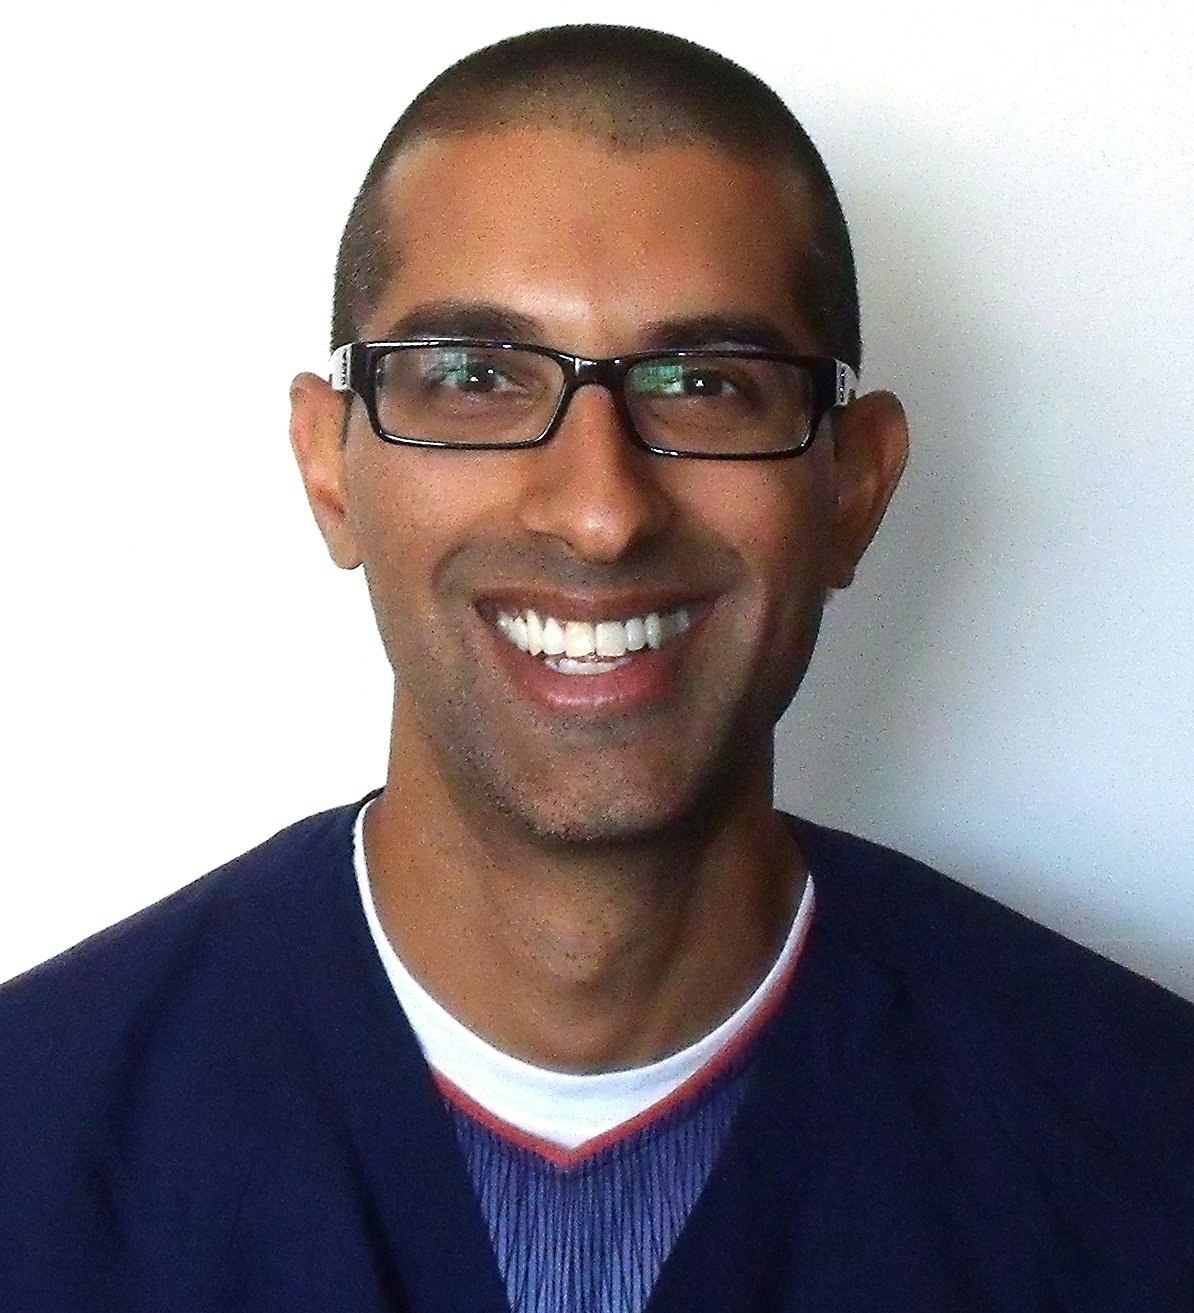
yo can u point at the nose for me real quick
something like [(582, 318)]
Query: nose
[(590, 487)]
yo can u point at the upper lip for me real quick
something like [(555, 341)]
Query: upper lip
[(606, 604)]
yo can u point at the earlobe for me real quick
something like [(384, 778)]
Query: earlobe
[(317, 420), (870, 450)]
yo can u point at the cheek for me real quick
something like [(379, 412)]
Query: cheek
[(778, 521), (409, 515), (776, 517), (411, 508)]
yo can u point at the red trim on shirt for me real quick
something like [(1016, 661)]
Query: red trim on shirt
[(564, 1158)]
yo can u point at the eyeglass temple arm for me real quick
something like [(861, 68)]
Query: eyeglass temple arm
[(340, 368)]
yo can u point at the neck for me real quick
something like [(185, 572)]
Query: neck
[(582, 956)]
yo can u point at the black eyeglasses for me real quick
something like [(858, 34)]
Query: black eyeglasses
[(727, 404)]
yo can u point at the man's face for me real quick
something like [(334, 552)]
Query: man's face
[(549, 237)]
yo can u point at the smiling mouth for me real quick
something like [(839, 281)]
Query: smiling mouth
[(590, 647)]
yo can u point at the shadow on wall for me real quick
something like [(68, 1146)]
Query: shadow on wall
[(873, 705), (925, 720)]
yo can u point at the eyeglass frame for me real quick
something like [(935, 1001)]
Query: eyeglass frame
[(353, 368)]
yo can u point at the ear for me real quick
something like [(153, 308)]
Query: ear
[(870, 449), (317, 435)]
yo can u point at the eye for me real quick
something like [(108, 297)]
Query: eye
[(695, 379), (462, 372)]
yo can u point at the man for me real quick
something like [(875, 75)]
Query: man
[(567, 1016)]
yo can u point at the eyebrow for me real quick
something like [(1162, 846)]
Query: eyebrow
[(481, 319), (717, 330), (485, 319)]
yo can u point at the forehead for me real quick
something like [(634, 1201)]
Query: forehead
[(590, 243)]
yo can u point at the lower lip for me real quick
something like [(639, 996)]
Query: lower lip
[(647, 677)]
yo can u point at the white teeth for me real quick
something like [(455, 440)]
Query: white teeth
[(636, 635), (579, 639), (553, 637), (596, 646), (611, 638), (534, 634), (568, 666)]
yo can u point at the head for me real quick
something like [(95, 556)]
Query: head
[(601, 191), (633, 90)]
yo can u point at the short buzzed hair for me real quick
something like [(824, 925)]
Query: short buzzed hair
[(634, 89)]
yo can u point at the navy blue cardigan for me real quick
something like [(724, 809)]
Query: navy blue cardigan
[(218, 1105)]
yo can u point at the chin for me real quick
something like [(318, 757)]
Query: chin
[(605, 816), (608, 829), (624, 794)]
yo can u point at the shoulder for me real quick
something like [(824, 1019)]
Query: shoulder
[(207, 916), (207, 953), (146, 1067), (937, 929), (1033, 1015)]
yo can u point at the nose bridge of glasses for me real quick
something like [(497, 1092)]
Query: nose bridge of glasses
[(609, 374)]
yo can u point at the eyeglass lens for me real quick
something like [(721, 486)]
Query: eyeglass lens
[(489, 396)]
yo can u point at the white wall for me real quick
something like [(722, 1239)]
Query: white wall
[(1007, 689)]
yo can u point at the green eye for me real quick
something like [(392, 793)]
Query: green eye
[(680, 378), (464, 372), (660, 377)]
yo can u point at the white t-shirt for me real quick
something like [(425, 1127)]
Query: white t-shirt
[(564, 1108)]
